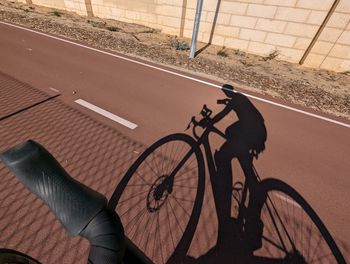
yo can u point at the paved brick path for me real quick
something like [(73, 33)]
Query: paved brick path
[(91, 152)]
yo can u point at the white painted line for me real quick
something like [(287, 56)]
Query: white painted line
[(298, 111), (181, 75), (53, 89), (107, 114), (113, 55), (287, 200)]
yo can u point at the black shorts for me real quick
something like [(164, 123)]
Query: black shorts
[(252, 135)]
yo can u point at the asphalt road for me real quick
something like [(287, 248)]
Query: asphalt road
[(309, 153)]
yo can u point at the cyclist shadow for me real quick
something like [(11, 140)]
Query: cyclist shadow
[(245, 140), (234, 249)]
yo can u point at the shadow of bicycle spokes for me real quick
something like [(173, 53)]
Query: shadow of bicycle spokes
[(167, 214)]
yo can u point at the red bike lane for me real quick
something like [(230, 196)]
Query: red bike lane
[(99, 154)]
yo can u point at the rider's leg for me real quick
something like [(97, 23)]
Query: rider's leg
[(222, 187)]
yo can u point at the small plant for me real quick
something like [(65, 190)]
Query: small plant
[(112, 28), (273, 54), (179, 45), (239, 53), (222, 52), (97, 24), (245, 63), (57, 13)]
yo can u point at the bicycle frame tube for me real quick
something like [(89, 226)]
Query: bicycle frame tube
[(183, 161), (209, 155), (202, 140)]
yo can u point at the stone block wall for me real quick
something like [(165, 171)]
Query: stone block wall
[(255, 26)]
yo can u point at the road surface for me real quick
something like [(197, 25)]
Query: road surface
[(310, 153)]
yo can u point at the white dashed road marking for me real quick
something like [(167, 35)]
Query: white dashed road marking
[(107, 114)]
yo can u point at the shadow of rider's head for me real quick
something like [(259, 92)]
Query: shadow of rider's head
[(228, 90)]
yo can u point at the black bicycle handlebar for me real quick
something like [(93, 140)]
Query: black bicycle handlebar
[(80, 209)]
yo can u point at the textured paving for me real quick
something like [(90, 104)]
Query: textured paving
[(16, 95), (98, 156), (91, 152)]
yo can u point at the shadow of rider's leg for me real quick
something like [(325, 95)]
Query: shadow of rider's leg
[(253, 224), (222, 188)]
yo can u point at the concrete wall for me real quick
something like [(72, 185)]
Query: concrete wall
[(332, 50), (255, 26)]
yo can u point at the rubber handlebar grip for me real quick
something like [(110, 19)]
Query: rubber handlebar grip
[(73, 203)]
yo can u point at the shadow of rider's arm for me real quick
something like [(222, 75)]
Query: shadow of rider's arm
[(221, 114)]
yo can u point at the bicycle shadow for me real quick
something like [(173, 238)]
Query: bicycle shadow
[(272, 221), (245, 139)]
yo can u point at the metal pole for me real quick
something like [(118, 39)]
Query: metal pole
[(196, 28), (323, 25)]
